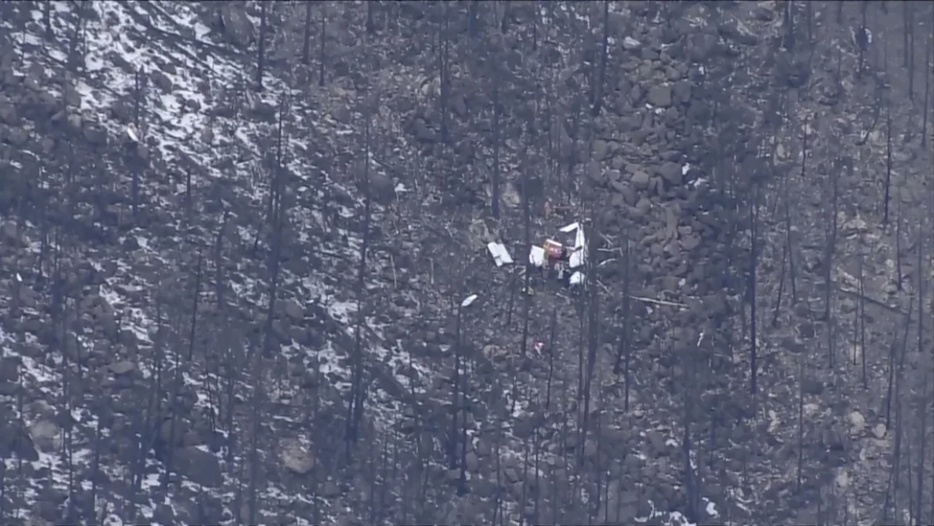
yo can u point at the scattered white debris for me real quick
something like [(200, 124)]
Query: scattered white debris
[(131, 133), (686, 168), (500, 253), (401, 188), (537, 256), (630, 44), (699, 182), (711, 508), (468, 300), (580, 249), (19, 278), (862, 37)]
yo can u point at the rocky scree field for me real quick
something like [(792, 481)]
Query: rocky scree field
[(186, 320)]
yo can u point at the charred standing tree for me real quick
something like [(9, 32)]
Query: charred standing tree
[(261, 47), (600, 80), (258, 366), (861, 315), (443, 72), (927, 93), (473, 18), (691, 393), (306, 35), (788, 24), (371, 17), (625, 340), (357, 380), (788, 271), (800, 421), (497, 111), (752, 286), (323, 38), (453, 451), (922, 440), (551, 356), (888, 166), (47, 20), (593, 328)]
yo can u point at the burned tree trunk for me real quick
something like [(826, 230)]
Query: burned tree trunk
[(261, 48)]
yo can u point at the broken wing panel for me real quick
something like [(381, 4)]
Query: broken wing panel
[(500, 253), (579, 256), (537, 256)]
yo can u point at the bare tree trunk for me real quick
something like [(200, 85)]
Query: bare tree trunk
[(306, 35), (261, 48)]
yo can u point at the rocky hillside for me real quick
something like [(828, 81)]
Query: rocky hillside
[(236, 239)]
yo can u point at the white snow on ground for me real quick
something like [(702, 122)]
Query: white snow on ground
[(173, 131)]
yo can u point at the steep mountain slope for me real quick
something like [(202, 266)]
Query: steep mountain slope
[(147, 375)]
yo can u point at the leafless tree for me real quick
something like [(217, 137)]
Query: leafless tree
[(800, 421), (861, 314), (788, 270), (895, 365), (788, 23), (600, 77), (370, 18), (888, 166), (497, 112), (261, 47), (553, 324), (323, 39), (306, 35), (922, 441), (624, 346), (358, 383), (444, 70), (47, 20), (925, 117), (593, 327), (194, 308), (453, 450), (830, 246), (752, 287), (691, 392)]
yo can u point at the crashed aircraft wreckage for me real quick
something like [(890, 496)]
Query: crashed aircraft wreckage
[(563, 262)]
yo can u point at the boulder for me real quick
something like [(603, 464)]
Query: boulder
[(45, 435), (296, 457), (237, 27), (660, 95), (199, 466)]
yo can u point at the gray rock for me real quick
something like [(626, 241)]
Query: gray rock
[(122, 367), (161, 80), (640, 180), (600, 150), (44, 434), (238, 29), (701, 46), (9, 369), (879, 431), (296, 457), (15, 441), (293, 310), (671, 173), (199, 466), (681, 92), (382, 188), (660, 95), (736, 31)]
